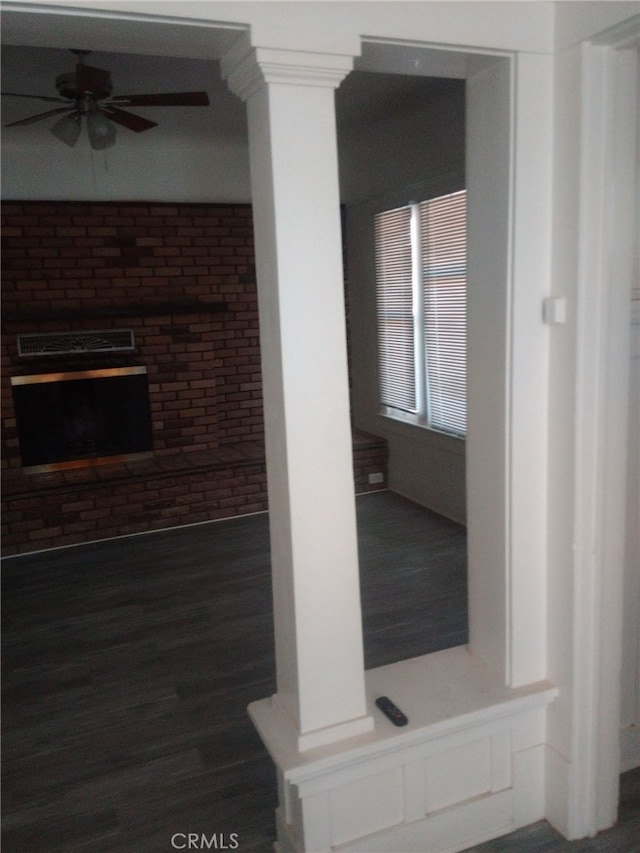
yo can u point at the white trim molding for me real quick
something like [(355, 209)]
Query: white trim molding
[(606, 239)]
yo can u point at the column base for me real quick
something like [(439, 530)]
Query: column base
[(271, 716)]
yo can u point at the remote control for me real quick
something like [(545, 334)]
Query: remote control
[(391, 711)]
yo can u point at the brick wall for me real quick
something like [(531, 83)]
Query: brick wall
[(94, 266), (182, 277)]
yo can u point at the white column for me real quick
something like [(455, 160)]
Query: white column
[(296, 209)]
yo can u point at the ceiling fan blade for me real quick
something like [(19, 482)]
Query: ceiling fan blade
[(38, 117), (35, 97), (128, 120), (166, 99), (89, 79)]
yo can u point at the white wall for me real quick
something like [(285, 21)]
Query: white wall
[(405, 158), (179, 169), (414, 144)]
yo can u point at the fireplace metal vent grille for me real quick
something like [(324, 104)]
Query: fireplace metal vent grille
[(64, 343)]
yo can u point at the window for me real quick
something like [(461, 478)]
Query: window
[(422, 299)]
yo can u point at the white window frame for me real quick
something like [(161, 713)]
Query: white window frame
[(421, 414)]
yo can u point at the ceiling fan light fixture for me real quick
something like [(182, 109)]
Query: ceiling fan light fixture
[(102, 132), (67, 129), (87, 93)]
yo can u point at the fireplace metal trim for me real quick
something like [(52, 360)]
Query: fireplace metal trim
[(93, 462), (70, 376)]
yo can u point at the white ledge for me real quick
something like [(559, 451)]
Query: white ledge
[(442, 694)]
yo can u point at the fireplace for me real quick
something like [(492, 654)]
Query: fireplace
[(82, 418)]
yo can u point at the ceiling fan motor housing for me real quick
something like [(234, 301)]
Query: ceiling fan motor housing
[(67, 87)]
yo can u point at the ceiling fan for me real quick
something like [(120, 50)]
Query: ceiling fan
[(86, 93)]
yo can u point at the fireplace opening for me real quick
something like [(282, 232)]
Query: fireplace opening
[(81, 418)]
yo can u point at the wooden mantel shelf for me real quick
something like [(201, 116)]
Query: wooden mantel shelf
[(146, 309)]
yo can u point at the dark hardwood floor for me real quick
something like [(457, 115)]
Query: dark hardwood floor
[(128, 666)]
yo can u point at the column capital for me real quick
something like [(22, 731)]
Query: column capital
[(247, 67)]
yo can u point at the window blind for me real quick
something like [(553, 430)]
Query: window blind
[(444, 260), (421, 285)]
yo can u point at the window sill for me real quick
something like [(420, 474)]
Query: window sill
[(416, 431)]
